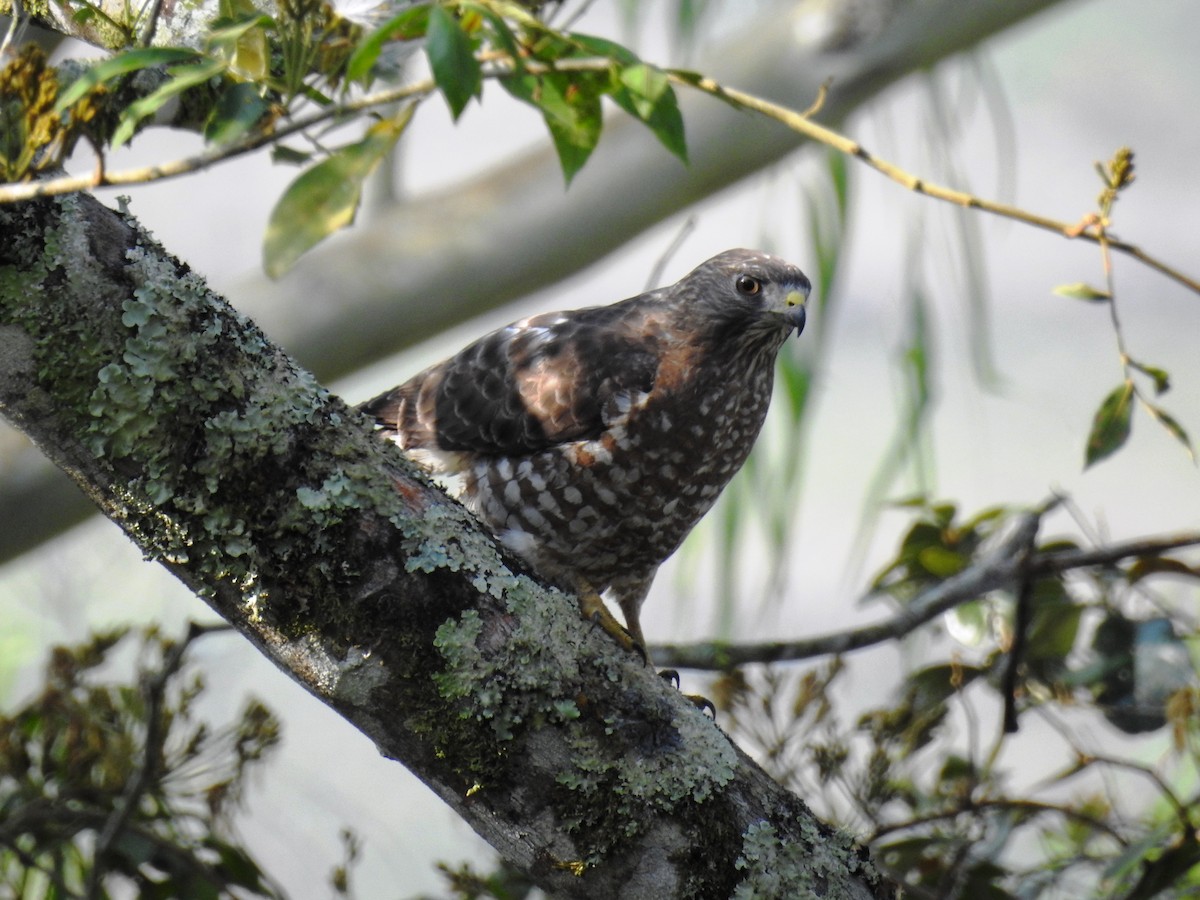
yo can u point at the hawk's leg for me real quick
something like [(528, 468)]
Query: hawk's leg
[(592, 607), (630, 598)]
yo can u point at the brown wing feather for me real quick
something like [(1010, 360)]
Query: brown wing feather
[(539, 382)]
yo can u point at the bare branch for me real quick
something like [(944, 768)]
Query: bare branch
[(801, 124), (1001, 570)]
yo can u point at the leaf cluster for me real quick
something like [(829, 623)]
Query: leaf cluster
[(1113, 420), (920, 772), (108, 787), (259, 74), (34, 135), (562, 75)]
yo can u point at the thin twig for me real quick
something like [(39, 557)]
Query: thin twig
[(69, 184), (155, 689), (1182, 809), (1002, 569), (655, 279), (500, 66), (1033, 807), (801, 125), (1022, 616)]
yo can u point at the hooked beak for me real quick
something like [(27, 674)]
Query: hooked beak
[(795, 314)]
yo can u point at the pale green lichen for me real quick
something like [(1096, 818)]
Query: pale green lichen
[(521, 671), (677, 761), (447, 537), (818, 865), (132, 389), (509, 688)]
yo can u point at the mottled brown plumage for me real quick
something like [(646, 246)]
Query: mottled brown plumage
[(590, 442)]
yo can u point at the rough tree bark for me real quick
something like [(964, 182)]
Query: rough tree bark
[(270, 498)]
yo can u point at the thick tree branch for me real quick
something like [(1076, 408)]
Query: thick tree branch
[(116, 24), (273, 500), (1001, 570)]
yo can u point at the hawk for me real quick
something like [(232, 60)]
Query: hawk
[(590, 442)]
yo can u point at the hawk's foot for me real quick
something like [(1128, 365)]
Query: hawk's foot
[(701, 703), (594, 610)]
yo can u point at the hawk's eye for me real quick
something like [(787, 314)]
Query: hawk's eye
[(747, 286)]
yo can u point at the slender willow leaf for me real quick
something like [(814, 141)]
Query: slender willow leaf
[(122, 64), (1111, 426), (1159, 565), (602, 47), (281, 153), (325, 197), (452, 60), (1081, 291), (1161, 377), (1176, 431)]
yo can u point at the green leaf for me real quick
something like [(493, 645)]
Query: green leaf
[(1081, 291), (825, 208), (797, 380), (502, 35), (570, 106), (1053, 627), (237, 866), (452, 60), (236, 112), (646, 94), (970, 623), (281, 153), (1176, 431), (122, 64), (325, 197), (932, 686), (647, 85), (406, 26), (1159, 565), (1111, 425), (940, 562), (1161, 377)]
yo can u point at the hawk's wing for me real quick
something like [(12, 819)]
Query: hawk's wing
[(542, 381)]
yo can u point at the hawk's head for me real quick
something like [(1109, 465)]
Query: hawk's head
[(747, 297)]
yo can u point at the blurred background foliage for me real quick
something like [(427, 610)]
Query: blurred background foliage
[(1038, 740)]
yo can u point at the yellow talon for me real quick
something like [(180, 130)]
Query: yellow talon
[(592, 608)]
